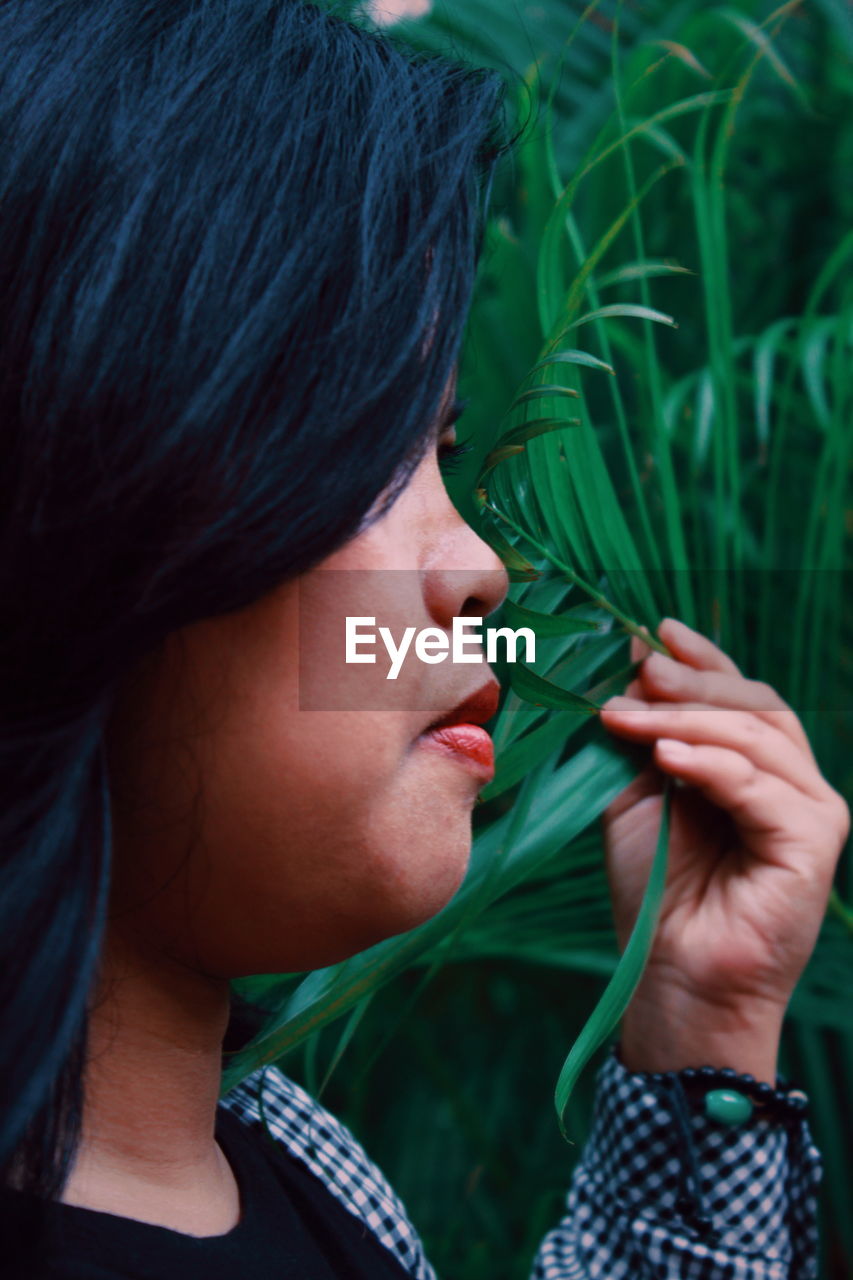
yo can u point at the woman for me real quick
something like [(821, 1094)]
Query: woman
[(238, 240)]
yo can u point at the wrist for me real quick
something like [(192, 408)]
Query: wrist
[(677, 1031)]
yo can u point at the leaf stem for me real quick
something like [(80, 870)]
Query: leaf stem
[(632, 627)]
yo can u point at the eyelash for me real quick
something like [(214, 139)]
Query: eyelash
[(449, 455)]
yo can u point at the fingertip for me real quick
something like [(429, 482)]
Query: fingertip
[(694, 648), (676, 628), (674, 751), (639, 649)]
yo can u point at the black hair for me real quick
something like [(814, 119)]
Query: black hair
[(237, 246)]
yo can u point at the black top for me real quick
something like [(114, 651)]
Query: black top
[(291, 1227)]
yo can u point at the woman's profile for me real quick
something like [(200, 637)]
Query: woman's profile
[(237, 247)]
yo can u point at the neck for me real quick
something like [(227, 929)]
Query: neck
[(152, 1080)]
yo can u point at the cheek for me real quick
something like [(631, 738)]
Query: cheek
[(290, 841), (324, 844)]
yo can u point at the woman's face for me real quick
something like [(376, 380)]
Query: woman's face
[(277, 808)]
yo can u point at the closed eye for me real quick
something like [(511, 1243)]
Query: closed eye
[(449, 455), (452, 450)]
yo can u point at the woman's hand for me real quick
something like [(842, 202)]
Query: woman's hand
[(755, 837)]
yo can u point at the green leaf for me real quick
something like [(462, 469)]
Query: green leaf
[(641, 271), (573, 357), (766, 353), (544, 693), (632, 310), (546, 392), (528, 751), (685, 55), (814, 345), (547, 624), (621, 987), (518, 568), (766, 48), (496, 456), (535, 427), (525, 753)]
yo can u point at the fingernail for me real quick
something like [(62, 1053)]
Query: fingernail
[(663, 669), (676, 622), (625, 708), (638, 649), (674, 749)]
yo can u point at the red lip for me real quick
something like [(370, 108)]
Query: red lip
[(468, 741), (476, 709), (459, 733)]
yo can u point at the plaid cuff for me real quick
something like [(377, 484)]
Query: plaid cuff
[(758, 1182)]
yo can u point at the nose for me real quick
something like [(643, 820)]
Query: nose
[(465, 578)]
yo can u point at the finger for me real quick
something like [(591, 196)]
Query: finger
[(758, 803), (639, 649), (693, 648), (664, 679), (764, 744), (763, 806)]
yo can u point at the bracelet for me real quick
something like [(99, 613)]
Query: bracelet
[(731, 1098)]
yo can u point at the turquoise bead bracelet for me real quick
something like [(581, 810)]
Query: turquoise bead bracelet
[(727, 1106), (732, 1098)]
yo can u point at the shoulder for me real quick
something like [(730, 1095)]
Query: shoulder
[(325, 1146)]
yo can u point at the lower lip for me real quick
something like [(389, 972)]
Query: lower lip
[(469, 744)]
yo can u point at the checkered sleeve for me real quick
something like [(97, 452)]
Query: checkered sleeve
[(758, 1182), (323, 1145)]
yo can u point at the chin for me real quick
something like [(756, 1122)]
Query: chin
[(421, 889), (401, 883)]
